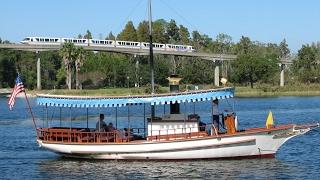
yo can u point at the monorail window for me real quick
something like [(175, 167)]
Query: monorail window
[(46, 40), (37, 39)]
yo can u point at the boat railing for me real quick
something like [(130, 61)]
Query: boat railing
[(179, 133), (87, 135), (84, 135)]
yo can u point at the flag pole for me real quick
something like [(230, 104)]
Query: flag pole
[(30, 110)]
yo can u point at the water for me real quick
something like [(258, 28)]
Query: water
[(299, 158)]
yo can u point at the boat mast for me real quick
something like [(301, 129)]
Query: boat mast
[(151, 56)]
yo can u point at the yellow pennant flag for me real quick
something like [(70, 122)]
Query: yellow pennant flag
[(269, 122)]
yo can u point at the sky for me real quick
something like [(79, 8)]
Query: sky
[(262, 20)]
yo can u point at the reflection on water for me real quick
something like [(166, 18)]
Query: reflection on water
[(255, 168), (299, 158)]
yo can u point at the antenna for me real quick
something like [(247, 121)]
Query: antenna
[(151, 48), (151, 56)]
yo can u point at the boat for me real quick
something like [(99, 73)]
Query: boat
[(174, 136)]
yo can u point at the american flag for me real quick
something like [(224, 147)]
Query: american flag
[(18, 88)]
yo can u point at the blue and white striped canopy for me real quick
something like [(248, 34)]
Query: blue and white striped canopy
[(119, 101)]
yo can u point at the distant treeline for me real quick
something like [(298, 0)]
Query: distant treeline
[(257, 62)]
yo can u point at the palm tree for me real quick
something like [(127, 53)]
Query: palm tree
[(80, 56), (68, 52)]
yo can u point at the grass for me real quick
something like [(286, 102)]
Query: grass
[(289, 90), (98, 92), (241, 91)]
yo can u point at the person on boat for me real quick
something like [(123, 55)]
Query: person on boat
[(215, 114), (101, 125), (110, 127)]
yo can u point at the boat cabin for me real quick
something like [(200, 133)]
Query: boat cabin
[(171, 126)]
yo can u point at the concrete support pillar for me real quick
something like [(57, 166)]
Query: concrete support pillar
[(282, 67), (38, 72), (216, 73), (174, 68)]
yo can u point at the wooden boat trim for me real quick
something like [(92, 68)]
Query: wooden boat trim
[(141, 142)]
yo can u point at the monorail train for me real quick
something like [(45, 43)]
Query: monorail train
[(106, 43)]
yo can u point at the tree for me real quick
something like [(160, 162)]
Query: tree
[(159, 32), (88, 35), (129, 33), (244, 45), (79, 58), (306, 65), (110, 36), (0, 40), (196, 39), (68, 54), (7, 72), (224, 42), (173, 31), (284, 50), (143, 32), (79, 36), (253, 67), (201, 42), (184, 34)]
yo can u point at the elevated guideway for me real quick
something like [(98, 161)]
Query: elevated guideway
[(135, 51)]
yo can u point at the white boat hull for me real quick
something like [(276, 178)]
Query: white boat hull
[(260, 144)]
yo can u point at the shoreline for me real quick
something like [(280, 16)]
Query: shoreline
[(239, 92)]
